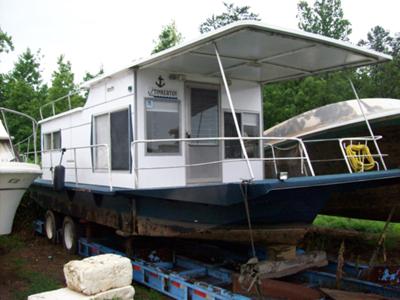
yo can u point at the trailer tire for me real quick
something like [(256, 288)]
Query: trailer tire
[(52, 222), (70, 235)]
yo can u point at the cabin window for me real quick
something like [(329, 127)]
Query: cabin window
[(249, 126), (162, 122), (52, 140), (112, 129)]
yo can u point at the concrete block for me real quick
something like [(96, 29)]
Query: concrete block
[(123, 293), (97, 274)]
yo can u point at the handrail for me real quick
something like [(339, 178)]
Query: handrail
[(143, 141), (75, 163), (34, 130), (52, 103)]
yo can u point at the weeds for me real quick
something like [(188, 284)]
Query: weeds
[(10, 242), (366, 226)]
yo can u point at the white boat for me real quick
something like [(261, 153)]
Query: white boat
[(336, 122), (15, 178)]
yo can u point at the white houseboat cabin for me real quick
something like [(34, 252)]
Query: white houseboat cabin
[(179, 94)]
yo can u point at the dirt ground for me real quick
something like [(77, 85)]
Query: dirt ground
[(23, 257), (30, 264)]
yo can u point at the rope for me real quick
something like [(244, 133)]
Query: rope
[(357, 154), (248, 271), (244, 188)]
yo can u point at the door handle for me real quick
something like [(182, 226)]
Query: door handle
[(188, 135)]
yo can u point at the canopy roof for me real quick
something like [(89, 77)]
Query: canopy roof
[(257, 52)]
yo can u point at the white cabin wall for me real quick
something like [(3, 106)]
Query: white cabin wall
[(118, 92), (76, 132), (158, 177), (246, 97)]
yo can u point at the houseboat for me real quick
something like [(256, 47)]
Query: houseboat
[(322, 128), (171, 145)]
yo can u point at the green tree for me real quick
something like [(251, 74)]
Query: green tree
[(326, 17), (24, 91), (5, 42), (381, 80), (232, 14), (378, 39), (285, 100), (62, 84), (169, 37)]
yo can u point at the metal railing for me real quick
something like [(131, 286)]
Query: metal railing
[(186, 140), (303, 157), (53, 103), (76, 167), (28, 139)]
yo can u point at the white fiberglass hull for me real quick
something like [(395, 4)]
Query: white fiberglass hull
[(15, 178)]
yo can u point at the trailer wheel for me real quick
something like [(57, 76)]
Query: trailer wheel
[(51, 224), (70, 235)]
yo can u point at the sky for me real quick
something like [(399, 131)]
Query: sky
[(110, 34)]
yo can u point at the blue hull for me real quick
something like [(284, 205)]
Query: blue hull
[(172, 211)]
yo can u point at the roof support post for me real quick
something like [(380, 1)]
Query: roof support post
[(228, 94), (368, 124)]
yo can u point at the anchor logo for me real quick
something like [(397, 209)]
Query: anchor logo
[(160, 82)]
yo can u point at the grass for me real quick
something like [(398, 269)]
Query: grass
[(144, 293), (10, 242), (392, 240), (36, 282), (366, 226)]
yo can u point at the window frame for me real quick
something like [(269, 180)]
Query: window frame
[(51, 133), (241, 112), (178, 102), (93, 139)]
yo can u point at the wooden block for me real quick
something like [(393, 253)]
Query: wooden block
[(344, 295), (281, 252), (278, 289)]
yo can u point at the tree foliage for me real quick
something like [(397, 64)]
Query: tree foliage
[(5, 42), (326, 17), (381, 80), (169, 37), (62, 84), (24, 91), (285, 100), (232, 14)]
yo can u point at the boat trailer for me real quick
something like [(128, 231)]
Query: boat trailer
[(181, 277)]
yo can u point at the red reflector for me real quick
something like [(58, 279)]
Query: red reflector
[(176, 284), (137, 268), (153, 275), (200, 294)]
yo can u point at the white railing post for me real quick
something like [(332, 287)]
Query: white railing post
[(109, 167), (274, 158), (133, 153), (342, 146), (76, 168), (238, 131), (307, 156)]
